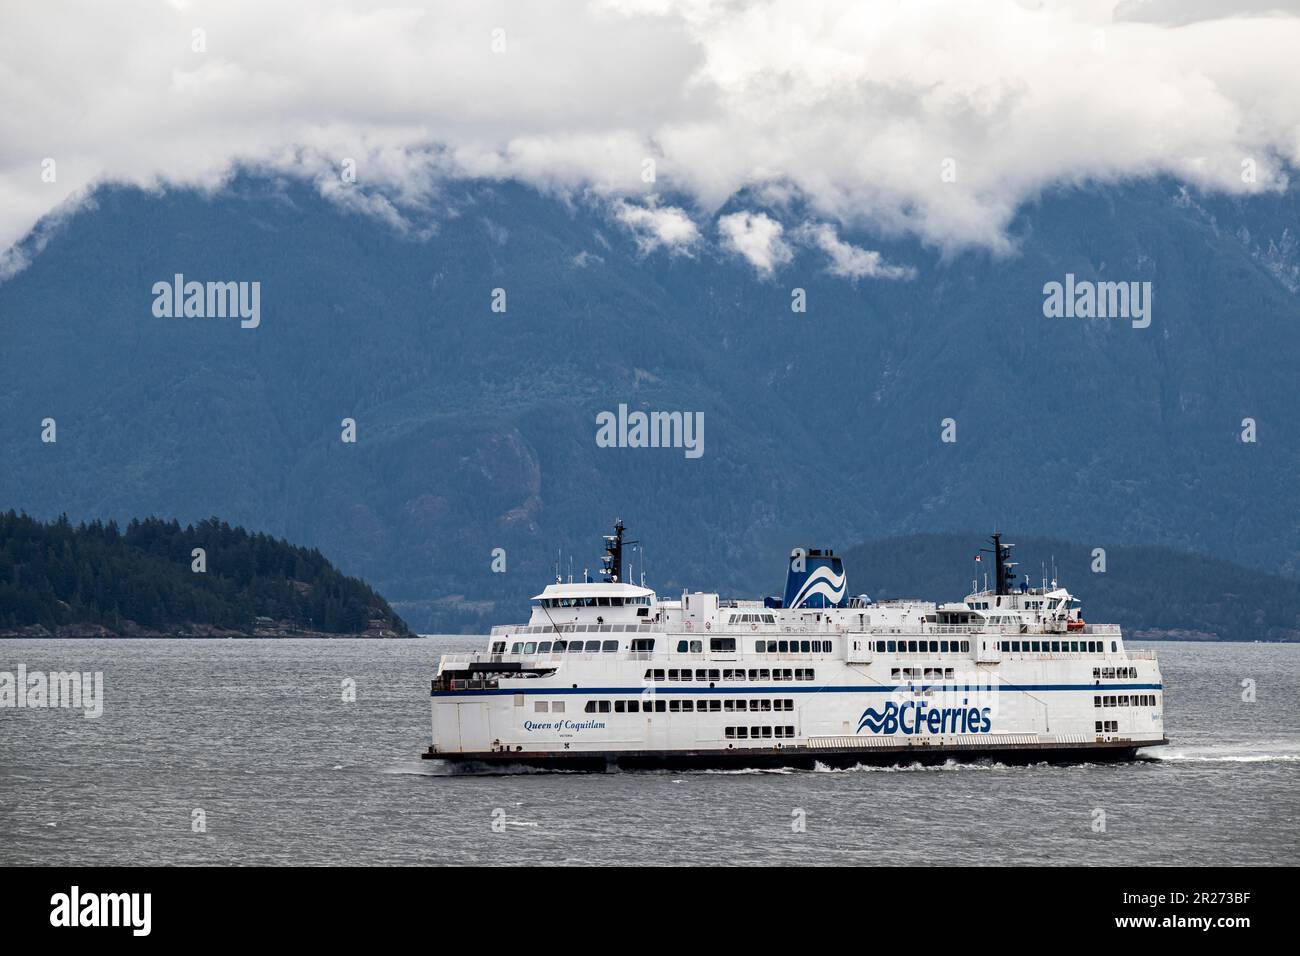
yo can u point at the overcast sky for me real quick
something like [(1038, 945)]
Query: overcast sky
[(854, 107)]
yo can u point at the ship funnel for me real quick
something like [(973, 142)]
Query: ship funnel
[(815, 579)]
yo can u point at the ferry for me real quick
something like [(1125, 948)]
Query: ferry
[(607, 675)]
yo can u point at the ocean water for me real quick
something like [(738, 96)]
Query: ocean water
[(255, 736)]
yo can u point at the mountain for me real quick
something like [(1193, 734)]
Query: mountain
[(1152, 592), (476, 430), (156, 578)]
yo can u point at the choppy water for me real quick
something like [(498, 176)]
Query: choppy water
[(256, 735)]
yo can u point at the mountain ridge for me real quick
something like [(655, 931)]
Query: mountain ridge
[(476, 431)]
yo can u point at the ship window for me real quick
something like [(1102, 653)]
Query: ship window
[(681, 647), (697, 647), (724, 644), (1096, 702), (633, 706), (1098, 726), (541, 707), (674, 706), (767, 731), (688, 705), (660, 706), (948, 673), (911, 647), (741, 704), (544, 647), (560, 647), (731, 732), (557, 707), (620, 706), (498, 647), (1112, 647), (530, 647), (742, 732), (643, 645), (518, 648)]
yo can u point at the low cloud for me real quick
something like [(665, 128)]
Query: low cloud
[(849, 261), (657, 227), (756, 237), (931, 119)]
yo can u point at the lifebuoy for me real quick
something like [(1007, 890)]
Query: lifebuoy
[(753, 626), (708, 625)]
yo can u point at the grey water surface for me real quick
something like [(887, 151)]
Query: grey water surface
[(256, 735)]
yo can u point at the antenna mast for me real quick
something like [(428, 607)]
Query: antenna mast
[(1001, 552), (612, 562)]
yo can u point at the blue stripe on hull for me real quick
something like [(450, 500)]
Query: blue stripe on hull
[(744, 689)]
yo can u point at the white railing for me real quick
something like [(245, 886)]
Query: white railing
[(521, 630)]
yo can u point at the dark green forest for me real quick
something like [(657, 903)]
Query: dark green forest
[(141, 579)]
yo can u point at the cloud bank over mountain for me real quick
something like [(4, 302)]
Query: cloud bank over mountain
[(933, 119)]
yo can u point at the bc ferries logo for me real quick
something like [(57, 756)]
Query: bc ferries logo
[(825, 582), (815, 579), (917, 717)]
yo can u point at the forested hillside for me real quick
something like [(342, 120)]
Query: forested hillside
[(98, 579)]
